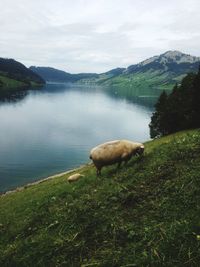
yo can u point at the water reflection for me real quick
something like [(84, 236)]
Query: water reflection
[(142, 96), (53, 130), (12, 96)]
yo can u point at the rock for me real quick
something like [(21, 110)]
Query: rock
[(74, 177)]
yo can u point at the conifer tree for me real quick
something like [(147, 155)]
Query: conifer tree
[(157, 118), (197, 99), (178, 111)]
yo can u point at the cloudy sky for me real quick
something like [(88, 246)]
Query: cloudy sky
[(96, 35)]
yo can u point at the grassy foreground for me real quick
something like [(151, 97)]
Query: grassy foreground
[(145, 214)]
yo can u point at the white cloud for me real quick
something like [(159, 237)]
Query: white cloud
[(95, 36)]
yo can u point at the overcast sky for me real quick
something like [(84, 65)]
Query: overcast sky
[(96, 35)]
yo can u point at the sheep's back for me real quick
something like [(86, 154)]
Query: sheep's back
[(109, 151)]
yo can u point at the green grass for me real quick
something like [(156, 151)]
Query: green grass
[(146, 80), (10, 83), (144, 214), (138, 81)]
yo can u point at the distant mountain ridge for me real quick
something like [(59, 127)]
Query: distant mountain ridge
[(54, 75), (50, 74), (161, 71)]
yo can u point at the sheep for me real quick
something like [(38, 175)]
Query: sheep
[(114, 152), (74, 177)]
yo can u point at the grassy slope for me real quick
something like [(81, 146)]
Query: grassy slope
[(7, 83), (145, 214), (141, 80), (10, 83)]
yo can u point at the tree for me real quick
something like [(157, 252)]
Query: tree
[(196, 102), (157, 119), (179, 110)]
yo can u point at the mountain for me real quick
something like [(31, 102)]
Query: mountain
[(52, 74), (14, 74), (102, 77), (158, 72), (115, 72), (55, 75), (173, 61), (161, 72)]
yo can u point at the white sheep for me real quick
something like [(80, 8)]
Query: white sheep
[(74, 177), (114, 152)]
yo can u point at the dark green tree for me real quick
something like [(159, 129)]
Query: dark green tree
[(178, 111), (196, 101), (157, 119)]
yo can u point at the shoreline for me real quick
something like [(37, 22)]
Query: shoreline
[(42, 180)]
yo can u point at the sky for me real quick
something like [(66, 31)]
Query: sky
[(96, 35)]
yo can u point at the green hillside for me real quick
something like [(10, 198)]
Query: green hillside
[(6, 82), (144, 214), (160, 72), (142, 80), (55, 75), (15, 76), (149, 79)]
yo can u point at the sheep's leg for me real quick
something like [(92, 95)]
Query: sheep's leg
[(119, 164), (125, 162), (98, 171)]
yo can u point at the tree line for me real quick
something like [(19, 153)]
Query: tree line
[(179, 110)]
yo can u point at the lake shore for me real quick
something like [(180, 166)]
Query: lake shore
[(35, 143), (151, 205), (42, 180)]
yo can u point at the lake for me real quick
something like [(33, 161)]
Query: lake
[(52, 130)]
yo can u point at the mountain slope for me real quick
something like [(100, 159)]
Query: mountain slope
[(144, 214), (171, 61), (160, 72), (14, 74), (52, 74), (55, 75)]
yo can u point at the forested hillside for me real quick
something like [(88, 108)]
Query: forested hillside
[(14, 74), (55, 75), (180, 109)]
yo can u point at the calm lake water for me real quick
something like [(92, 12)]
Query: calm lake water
[(53, 130)]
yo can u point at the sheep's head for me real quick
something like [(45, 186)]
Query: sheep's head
[(140, 150)]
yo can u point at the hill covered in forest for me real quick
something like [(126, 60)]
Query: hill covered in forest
[(14, 75), (179, 110), (55, 75)]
